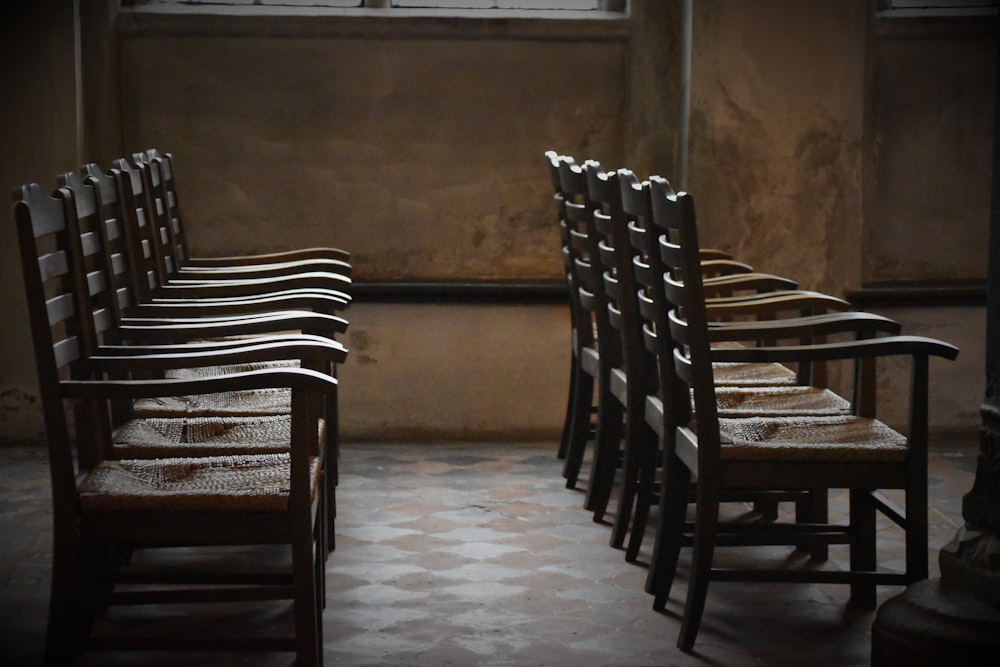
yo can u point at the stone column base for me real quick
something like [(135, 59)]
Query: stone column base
[(930, 625)]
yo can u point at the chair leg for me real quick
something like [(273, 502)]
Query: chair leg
[(674, 497), (63, 633), (308, 642), (916, 533), (567, 431), (813, 507), (631, 467), (862, 550), (645, 491), (583, 402), (331, 473), (607, 448), (705, 529)]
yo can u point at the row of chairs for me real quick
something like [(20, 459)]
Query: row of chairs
[(699, 382), (189, 402)]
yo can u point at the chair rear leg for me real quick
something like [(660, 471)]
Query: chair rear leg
[(705, 529), (813, 507), (645, 491), (308, 625), (583, 403), (674, 498), (567, 431), (631, 465), (62, 638), (607, 450), (916, 533), (862, 549)]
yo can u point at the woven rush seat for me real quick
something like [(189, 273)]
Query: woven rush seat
[(257, 402), (830, 439), (248, 483), (203, 436), (748, 375), (741, 403), (746, 401)]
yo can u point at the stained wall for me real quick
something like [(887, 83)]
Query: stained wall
[(817, 134)]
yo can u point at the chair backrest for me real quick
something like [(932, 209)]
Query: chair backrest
[(58, 299), (559, 198), (611, 224), (164, 192), (134, 192), (585, 255), (105, 255), (688, 320), (146, 177), (651, 301)]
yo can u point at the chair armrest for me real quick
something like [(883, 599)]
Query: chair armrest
[(802, 301), (302, 379), (187, 328), (222, 290), (195, 307), (334, 254), (713, 253), (752, 281), (859, 349), (175, 356), (303, 280), (862, 324), (723, 266), (220, 345), (264, 269)]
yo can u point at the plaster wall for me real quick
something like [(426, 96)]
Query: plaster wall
[(422, 154), (455, 372), (38, 127), (841, 150), (418, 146), (776, 134)]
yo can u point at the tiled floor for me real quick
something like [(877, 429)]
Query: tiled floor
[(477, 554)]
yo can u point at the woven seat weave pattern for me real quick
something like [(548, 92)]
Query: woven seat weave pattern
[(748, 375), (843, 438), (254, 483), (233, 403), (202, 436), (226, 369), (780, 400)]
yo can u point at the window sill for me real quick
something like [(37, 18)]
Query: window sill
[(255, 20)]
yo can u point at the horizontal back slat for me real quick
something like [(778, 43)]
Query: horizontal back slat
[(102, 320), (53, 265), (66, 351), (91, 243), (96, 284), (60, 308)]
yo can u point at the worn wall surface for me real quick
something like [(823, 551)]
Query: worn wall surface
[(841, 149), (38, 135), (817, 138), (776, 133), (931, 150), (423, 156)]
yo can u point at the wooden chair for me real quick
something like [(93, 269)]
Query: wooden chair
[(128, 327), (636, 377), (581, 417), (578, 422), (151, 211), (599, 347), (334, 260), (744, 389), (855, 452), (105, 508)]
